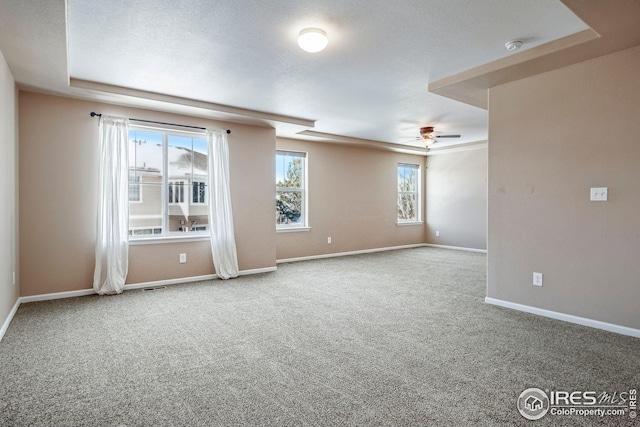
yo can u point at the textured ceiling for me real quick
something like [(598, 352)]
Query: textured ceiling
[(370, 83)]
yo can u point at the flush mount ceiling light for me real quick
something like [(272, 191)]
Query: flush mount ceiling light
[(513, 45), (312, 40)]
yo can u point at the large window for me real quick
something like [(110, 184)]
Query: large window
[(291, 190), (408, 193), (170, 169)]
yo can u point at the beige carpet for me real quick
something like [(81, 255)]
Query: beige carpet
[(400, 338)]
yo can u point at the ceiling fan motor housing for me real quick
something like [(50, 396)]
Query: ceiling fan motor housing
[(426, 132)]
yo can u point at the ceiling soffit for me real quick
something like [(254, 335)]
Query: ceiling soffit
[(613, 27)]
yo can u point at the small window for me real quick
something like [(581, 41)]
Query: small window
[(150, 231), (135, 191), (291, 191), (408, 193), (199, 195), (176, 192)]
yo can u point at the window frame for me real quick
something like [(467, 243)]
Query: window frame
[(167, 235), (304, 191), (417, 193)]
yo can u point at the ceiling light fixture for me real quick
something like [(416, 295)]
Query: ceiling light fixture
[(428, 142), (513, 45), (312, 40)]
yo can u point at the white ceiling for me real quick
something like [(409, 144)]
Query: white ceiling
[(370, 83)]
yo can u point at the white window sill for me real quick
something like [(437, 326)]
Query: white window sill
[(292, 229), (402, 224), (168, 239)]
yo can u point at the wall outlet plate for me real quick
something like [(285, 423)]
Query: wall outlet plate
[(537, 279), (599, 194), (183, 258)]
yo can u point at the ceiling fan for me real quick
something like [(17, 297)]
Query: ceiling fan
[(429, 136)]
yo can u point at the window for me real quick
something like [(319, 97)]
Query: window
[(408, 193), (135, 193), (199, 192), (176, 192), (291, 194), (171, 169), (144, 231)]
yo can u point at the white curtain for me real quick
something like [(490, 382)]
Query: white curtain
[(223, 242), (112, 247)]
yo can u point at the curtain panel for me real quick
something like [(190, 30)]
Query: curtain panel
[(112, 246), (223, 243)]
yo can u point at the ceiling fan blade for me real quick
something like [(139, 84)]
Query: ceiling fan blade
[(446, 136)]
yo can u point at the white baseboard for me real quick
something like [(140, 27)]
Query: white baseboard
[(257, 271), (339, 254), (169, 282), (456, 248), (56, 295), (624, 330), (9, 318)]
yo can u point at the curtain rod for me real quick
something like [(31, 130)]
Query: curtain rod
[(94, 114)]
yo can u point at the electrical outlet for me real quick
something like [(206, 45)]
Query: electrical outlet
[(183, 258), (537, 279), (437, 234), (599, 194), (328, 239)]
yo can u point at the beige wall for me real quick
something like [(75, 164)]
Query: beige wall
[(552, 137), (58, 173), (9, 291), (457, 198), (352, 199)]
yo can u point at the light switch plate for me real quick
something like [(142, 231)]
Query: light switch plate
[(599, 194)]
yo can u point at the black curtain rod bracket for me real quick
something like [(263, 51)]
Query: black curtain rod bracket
[(94, 114)]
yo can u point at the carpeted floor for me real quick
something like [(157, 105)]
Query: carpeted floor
[(400, 338)]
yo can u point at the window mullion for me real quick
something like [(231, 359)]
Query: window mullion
[(191, 183), (165, 185)]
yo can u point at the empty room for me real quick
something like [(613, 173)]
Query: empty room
[(324, 213)]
